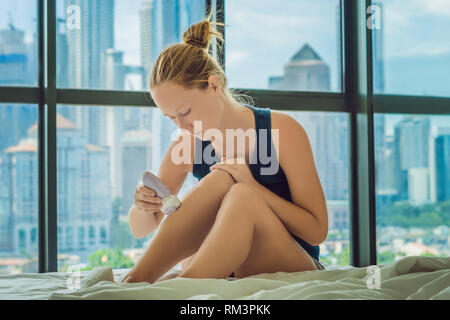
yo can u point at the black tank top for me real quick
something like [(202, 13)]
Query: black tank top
[(277, 183)]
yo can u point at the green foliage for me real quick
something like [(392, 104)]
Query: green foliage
[(427, 254), (121, 236), (326, 260), (385, 257), (343, 258), (25, 253), (333, 236), (403, 214), (108, 257)]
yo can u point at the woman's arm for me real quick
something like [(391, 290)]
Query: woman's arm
[(141, 223), (173, 176), (306, 216)]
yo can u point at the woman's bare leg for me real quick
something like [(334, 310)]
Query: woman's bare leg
[(182, 232)]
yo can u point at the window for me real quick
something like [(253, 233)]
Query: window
[(91, 235), (299, 50), (59, 239), (103, 235), (18, 188), (34, 237), (411, 47), (113, 44), (412, 155), (69, 238), (122, 142), (81, 238), (102, 152), (328, 136), (18, 43)]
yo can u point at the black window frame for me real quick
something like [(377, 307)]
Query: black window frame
[(357, 99)]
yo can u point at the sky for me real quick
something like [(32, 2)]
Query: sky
[(262, 36)]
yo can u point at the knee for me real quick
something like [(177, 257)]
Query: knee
[(240, 192), (240, 196), (219, 177)]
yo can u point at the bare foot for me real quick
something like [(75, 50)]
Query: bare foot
[(169, 276)]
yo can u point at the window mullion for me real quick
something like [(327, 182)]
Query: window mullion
[(358, 84), (42, 228), (220, 14), (48, 136)]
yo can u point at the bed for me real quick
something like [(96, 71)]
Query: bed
[(413, 277)]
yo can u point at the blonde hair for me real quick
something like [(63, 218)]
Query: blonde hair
[(189, 63)]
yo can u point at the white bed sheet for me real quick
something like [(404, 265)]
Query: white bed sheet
[(409, 278)]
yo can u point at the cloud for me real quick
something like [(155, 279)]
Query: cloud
[(436, 7), (271, 34), (235, 57), (416, 28), (127, 35)]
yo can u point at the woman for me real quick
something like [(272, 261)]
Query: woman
[(236, 221)]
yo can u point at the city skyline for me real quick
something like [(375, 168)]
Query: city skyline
[(408, 153), (404, 17)]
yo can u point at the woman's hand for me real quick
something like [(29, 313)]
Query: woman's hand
[(238, 169), (126, 279), (132, 277), (145, 199)]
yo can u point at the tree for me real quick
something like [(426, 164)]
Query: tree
[(427, 254), (121, 236), (405, 215), (108, 257), (386, 257), (344, 257)]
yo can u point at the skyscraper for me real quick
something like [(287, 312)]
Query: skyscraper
[(163, 24), (381, 184), (13, 57), (327, 133), (147, 35), (411, 149), (83, 193), (412, 135), (442, 165), (86, 44), (378, 48), (89, 41), (136, 153), (14, 65), (306, 71)]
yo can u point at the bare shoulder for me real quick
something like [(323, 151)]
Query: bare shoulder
[(291, 133), (285, 123), (279, 118)]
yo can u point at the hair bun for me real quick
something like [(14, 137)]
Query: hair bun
[(195, 42), (198, 34)]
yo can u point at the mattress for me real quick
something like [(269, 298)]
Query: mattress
[(413, 277)]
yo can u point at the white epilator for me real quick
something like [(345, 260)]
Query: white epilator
[(170, 202)]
